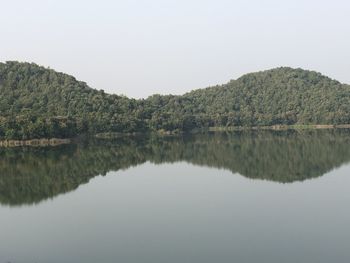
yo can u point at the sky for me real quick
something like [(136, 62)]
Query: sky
[(139, 48)]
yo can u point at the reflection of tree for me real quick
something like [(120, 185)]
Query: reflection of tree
[(30, 175)]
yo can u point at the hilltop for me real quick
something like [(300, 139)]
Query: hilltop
[(37, 102)]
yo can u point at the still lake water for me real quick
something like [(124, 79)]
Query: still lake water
[(238, 197)]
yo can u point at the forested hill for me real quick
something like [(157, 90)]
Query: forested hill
[(37, 102)]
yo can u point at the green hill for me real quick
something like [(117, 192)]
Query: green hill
[(273, 97), (37, 102)]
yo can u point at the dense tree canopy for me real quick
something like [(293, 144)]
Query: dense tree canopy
[(37, 102)]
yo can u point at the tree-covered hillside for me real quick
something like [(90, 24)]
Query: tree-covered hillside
[(37, 102), (278, 96)]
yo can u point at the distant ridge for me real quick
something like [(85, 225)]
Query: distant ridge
[(37, 102)]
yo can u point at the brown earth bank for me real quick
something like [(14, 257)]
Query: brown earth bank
[(282, 127), (34, 142)]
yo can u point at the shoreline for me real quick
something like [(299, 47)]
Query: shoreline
[(44, 142)]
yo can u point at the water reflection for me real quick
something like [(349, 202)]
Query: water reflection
[(30, 175)]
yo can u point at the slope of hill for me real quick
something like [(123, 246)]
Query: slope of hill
[(37, 102), (278, 96)]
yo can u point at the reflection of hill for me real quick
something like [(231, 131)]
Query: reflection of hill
[(30, 175)]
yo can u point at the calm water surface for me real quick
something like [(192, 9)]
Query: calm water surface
[(238, 197)]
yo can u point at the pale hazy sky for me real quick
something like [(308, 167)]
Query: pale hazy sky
[(138, 48)]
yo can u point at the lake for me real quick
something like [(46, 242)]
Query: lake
[(260, 196)]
